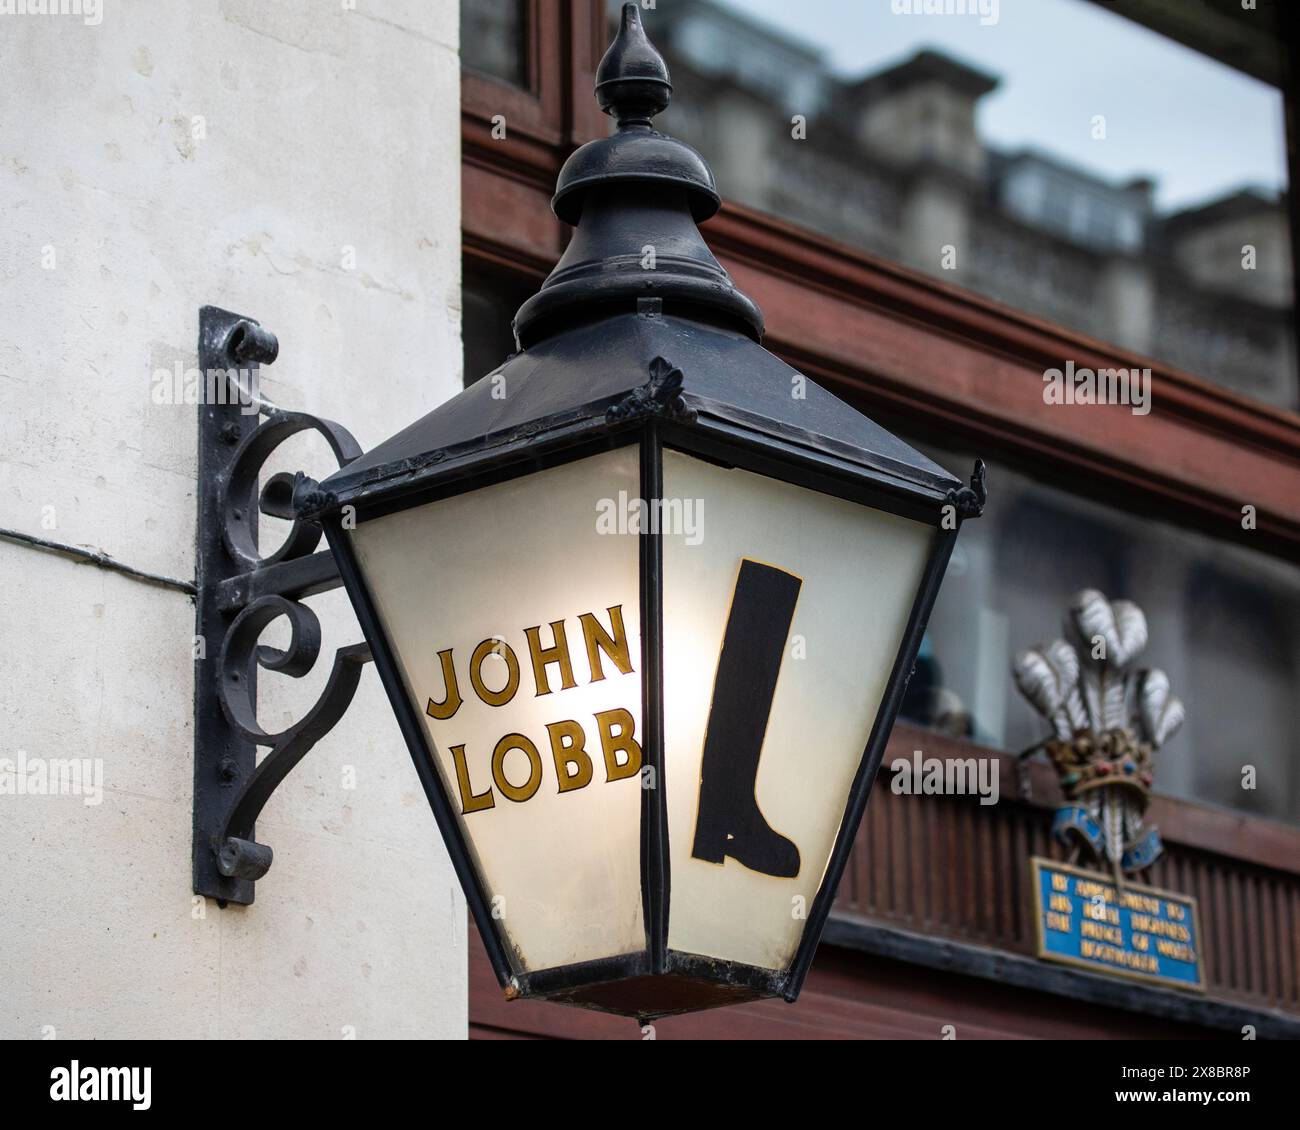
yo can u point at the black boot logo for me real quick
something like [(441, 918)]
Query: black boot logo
[(728, 822)]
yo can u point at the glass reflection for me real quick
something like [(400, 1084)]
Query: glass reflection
[(1224, 623), (1057, 158), (494, 39)]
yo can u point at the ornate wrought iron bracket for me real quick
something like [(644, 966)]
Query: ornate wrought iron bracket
[(240, 592)]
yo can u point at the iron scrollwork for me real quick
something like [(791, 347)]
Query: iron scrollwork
[(241, 592)]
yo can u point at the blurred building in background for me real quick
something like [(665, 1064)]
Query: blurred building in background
[(893, 162), (931, 278)]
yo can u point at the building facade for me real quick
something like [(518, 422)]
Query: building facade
[(935, 280)]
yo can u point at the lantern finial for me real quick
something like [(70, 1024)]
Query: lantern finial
[(635, 198), (632, 81)]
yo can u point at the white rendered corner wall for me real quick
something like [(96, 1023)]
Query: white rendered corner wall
[(298, 162)]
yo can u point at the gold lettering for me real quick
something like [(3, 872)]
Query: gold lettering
[(1174, 930), (1105, 933), (611, 744), (544, 657), (1176, 950), (598, 640), (449, 705), (1112, 956), (469, 800), (517, 793), (572, 751), (506, 693)]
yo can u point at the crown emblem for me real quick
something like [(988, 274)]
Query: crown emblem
[(1108, 718)]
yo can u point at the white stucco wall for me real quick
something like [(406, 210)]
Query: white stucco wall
[(328, 126)]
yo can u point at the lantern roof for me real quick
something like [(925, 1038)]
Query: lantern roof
[(601, 373), (635, 198)]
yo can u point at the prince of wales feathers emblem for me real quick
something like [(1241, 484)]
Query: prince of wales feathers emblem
[(1108, 718)]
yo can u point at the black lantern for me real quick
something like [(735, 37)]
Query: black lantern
[(645, 601)]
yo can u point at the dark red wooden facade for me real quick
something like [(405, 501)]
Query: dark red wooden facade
[(949, 868)]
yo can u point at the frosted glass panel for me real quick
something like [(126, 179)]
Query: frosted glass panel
[(541, 752), (791, 598)]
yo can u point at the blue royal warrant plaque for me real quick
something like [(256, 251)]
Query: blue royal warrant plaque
[(1085, 920)]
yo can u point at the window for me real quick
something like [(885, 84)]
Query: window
[(489, 301), (1060, 159), (494, 39)]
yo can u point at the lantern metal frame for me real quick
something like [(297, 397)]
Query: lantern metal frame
[(610, 354), (658, 414)]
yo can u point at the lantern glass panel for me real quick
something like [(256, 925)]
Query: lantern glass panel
[(782, 623), (541, 754)]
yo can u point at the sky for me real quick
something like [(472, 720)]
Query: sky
[(1199, 128)]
